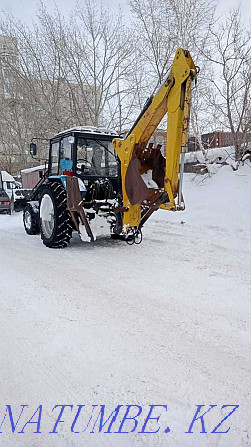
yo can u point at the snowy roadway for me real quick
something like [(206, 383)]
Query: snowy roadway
[(163, 323)]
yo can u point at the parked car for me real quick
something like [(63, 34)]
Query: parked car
[(5, 202), (14, 190)]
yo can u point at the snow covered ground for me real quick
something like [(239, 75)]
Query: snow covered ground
[(163, 323)]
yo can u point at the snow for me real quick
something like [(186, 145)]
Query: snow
[(166, 322), (222, 154), (6, 177), (35, 168), (90, 129), (147, 177)]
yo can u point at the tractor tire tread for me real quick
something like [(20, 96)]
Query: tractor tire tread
[(63, 227)]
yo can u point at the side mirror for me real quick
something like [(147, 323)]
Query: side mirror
[(33, 149)]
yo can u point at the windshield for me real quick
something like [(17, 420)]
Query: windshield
[(96, 157), (11, 185)]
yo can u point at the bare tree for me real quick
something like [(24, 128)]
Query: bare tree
[(95, 54), (230, 52), (162, 26), (66, 73), (154, 38), (191, 20)]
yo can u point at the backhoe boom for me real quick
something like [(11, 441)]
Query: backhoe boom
[(172, 98)]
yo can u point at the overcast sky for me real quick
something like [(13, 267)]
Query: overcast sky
[(25, 10)]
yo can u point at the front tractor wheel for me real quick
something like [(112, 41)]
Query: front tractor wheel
[(31, 218), (55, 219)]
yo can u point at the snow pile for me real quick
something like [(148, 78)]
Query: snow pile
[(221, 200), (217, 155)]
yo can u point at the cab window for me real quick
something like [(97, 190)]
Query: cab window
[(96, 157), (54, 158)]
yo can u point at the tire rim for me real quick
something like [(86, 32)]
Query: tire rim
[(47, 216), (27, 219)]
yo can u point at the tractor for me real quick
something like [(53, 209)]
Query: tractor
[(95, 172)]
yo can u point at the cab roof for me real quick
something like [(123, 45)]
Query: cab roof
[(88, 129)]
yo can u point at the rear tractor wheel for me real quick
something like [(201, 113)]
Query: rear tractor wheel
[(55, 220)]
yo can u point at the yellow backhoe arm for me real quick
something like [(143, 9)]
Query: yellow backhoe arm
[(173, 98)]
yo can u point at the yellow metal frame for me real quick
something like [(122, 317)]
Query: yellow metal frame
[(173, 98)]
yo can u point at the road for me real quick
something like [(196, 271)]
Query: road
[(163, 323)]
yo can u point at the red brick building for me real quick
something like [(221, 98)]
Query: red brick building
[(216, 139)]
